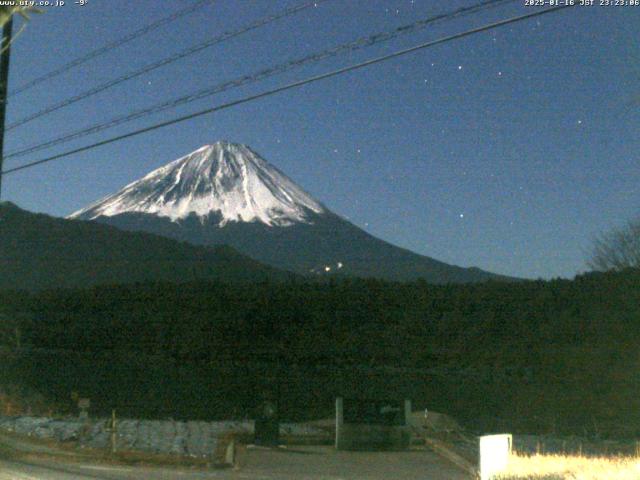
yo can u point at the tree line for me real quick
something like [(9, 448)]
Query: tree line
[(556, 355)]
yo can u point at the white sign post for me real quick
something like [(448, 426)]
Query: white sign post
[(494, 455)]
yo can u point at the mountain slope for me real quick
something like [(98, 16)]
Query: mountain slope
[(225, 193), (38, 251), (327, 245)]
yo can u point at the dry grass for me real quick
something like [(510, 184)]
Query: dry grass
[(567, 467)]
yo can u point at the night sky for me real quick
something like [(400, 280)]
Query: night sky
[(508, 150)]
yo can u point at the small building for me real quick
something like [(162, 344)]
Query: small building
[(372, 424)]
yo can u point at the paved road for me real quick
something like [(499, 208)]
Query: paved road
[(41, 470), (315, 463), (300, 463)]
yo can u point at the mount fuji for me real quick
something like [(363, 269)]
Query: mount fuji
[(225, 193)]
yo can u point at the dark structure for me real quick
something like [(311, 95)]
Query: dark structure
[(267, 425)]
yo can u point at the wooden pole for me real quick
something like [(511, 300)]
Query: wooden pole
[(339, 422), (114, 432), (4, 85)]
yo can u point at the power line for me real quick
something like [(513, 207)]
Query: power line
[(165, 61), (260, 75), (110, 46), (289, 86)]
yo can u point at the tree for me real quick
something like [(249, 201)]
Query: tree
[(617, 249), (6, 12)]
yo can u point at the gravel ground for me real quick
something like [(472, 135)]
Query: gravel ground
[(315, 463), (304, 463), (24, 459)]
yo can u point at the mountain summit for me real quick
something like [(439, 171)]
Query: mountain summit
[(226, 193), (225, 179)]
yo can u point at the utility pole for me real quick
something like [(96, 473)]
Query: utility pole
[(4, 84)]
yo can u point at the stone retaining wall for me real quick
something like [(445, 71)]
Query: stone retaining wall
[(191, 438)]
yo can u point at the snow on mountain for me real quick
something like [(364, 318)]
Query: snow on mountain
[(224, 178)]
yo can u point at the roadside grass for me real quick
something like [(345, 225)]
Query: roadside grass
[(571, 467)]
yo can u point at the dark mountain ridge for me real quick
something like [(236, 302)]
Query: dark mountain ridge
[(38, 251)]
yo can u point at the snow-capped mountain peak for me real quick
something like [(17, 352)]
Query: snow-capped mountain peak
[(225, 178)]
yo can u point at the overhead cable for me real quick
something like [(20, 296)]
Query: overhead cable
[(289, 86), (357, 44), (111, 46), (161, 63)]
